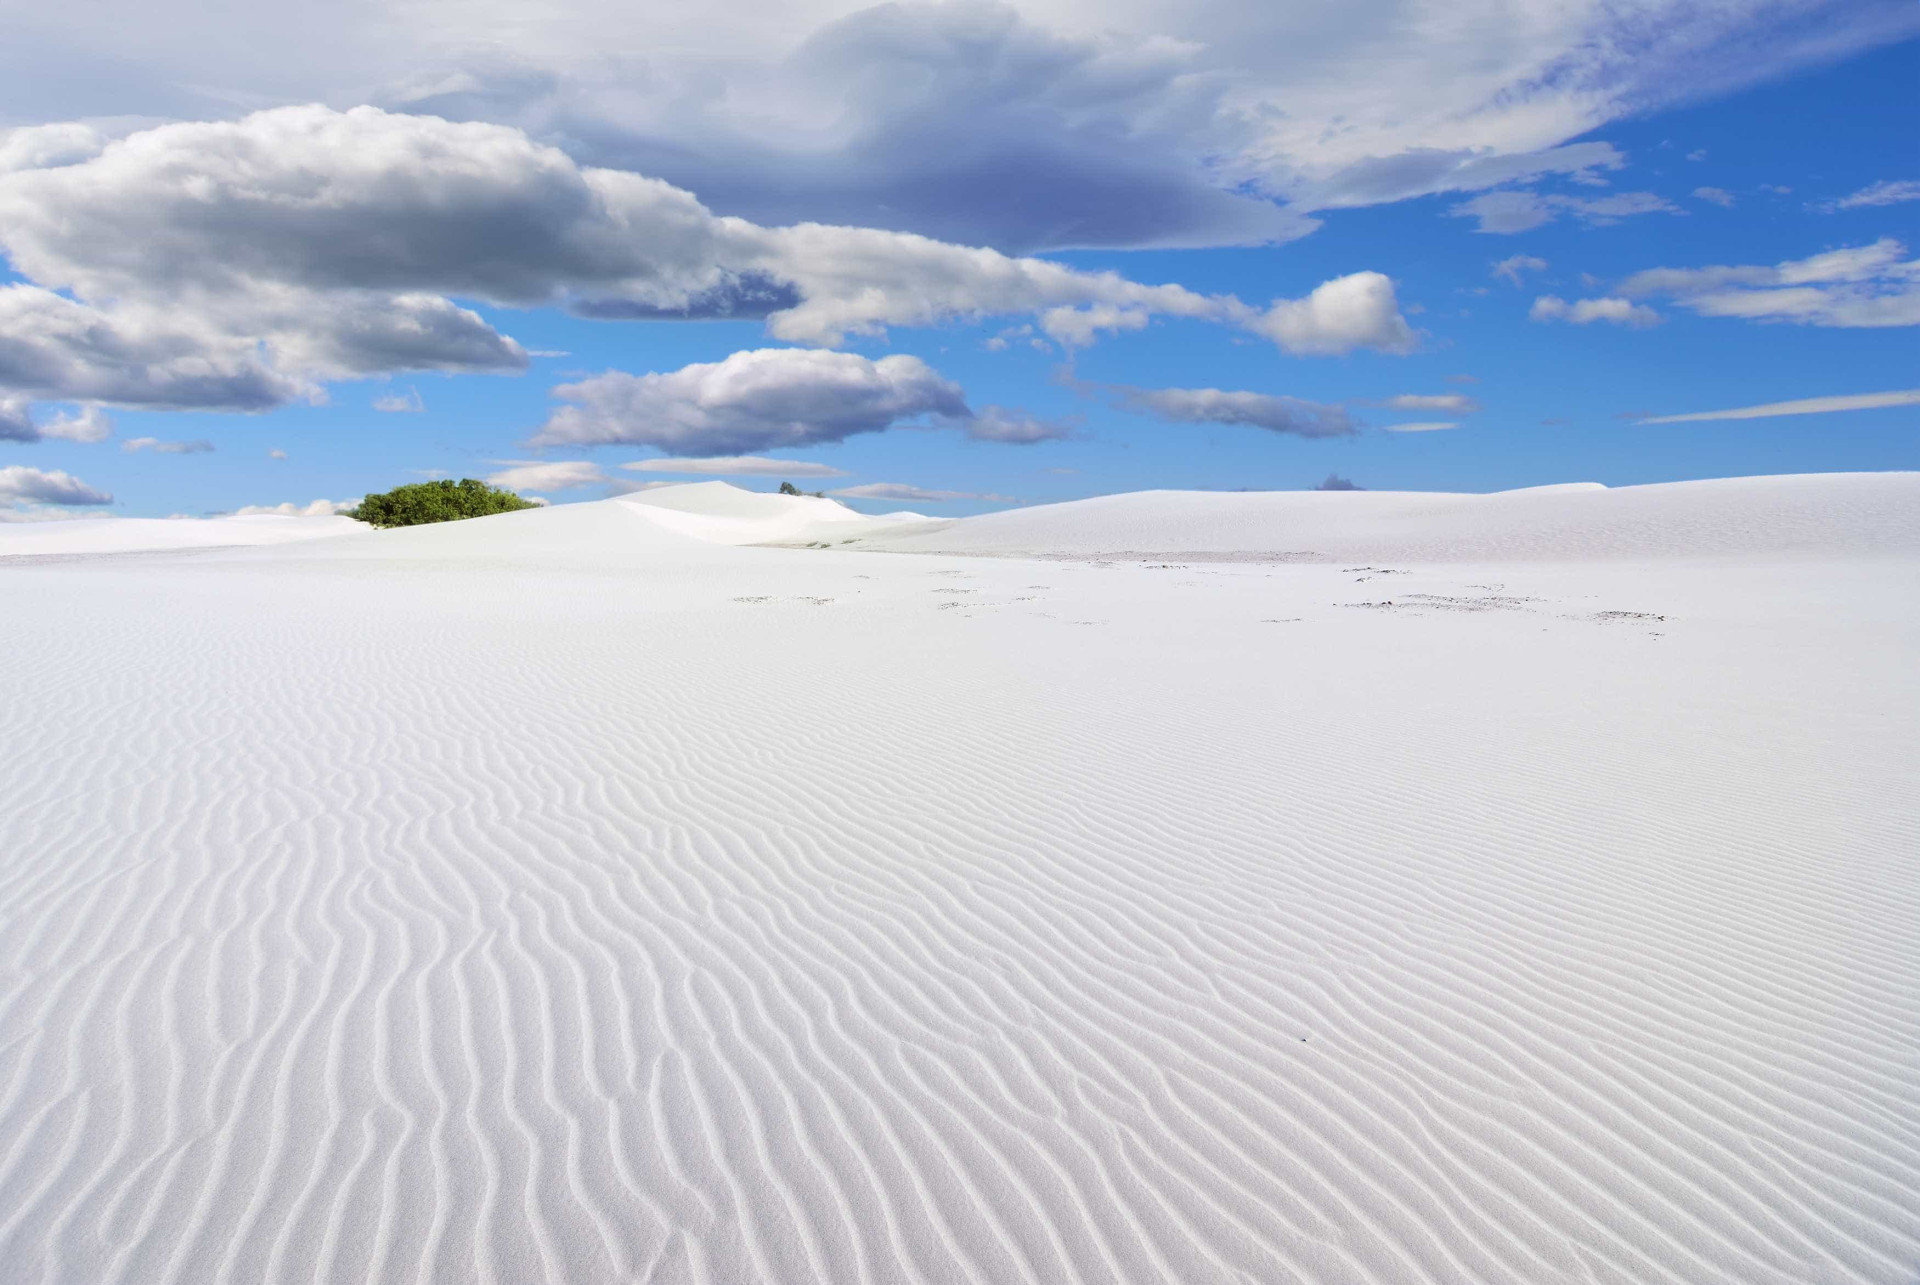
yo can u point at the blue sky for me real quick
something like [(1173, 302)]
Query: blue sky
[(1818, 159)]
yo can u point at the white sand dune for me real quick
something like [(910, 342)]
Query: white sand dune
[(568, 896), (83, 536), (1823, 513)]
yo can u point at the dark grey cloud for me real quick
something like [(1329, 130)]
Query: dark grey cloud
[(16, 424), (1334, 482)]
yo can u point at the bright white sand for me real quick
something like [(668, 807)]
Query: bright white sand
[(564, 896)]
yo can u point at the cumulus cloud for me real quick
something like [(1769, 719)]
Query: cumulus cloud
[(1718, 195), (16, 420), (902, 491), (1355, 311), (735, 466), (88, 424), (554, 475), (158, 447), (21, 486), (1803, 406), (1457, 403), (1513, 211), (1886, 192), (407, 403), (1514, 269), (1620, 312), (1857, 287), (1148, 123), (288, 509), (239, 264), (769, 397), (1255, 410)]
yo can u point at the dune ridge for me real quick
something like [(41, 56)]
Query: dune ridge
[(563, 896)]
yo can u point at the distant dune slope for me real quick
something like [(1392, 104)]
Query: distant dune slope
[(559, 897), (83, 536), (1812, 513)]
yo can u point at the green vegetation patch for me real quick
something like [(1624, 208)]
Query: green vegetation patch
[(441, 501)]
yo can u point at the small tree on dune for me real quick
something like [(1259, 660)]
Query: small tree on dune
[(441, 501)]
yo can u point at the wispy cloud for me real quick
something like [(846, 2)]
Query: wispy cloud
[(1803, 406), (1718, 195), (903, 491), (1456, 403), (133, 445), (1508, 212), (1515, 268), (1272, 412), (735, 466), (1856, 287), (1425, 426), (407, 403), (1581, 312), (1886, 192)]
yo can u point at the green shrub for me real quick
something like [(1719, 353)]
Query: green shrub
[(441, 501)]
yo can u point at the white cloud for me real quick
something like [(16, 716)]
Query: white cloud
[(1718, 195), (33, 147), (555, 475), (1458, 403), (1804, 406), (1015, 427), (1515, 268), (1886, 192), (902, 491), (276, 454), (1424, 426), (407, 403), (1860, 286), (1621, 312), (1359, 310), (87, 424), (769, 397), (315, 509), (1520, 211), (154, 444), (1146, 123), (239, 264), (735, 466), (1255, 410), (20, 486)]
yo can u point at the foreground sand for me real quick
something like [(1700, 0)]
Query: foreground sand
[(1152, 894)]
